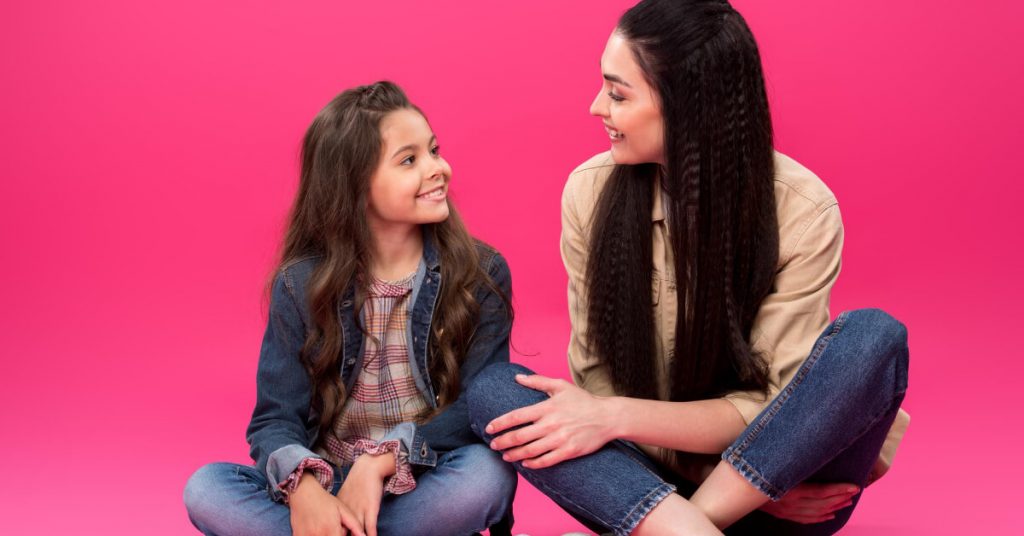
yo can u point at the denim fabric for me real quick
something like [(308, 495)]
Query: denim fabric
[(826, 425), (284, 427), (468, 490)]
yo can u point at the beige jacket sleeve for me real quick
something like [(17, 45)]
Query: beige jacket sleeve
[(587, 372), (796, 312)]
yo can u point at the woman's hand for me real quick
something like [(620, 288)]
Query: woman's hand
[(570, 424), (315, 512), (812, 503), (364, 487)]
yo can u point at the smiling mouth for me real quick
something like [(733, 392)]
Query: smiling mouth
[(613, 133), (433, 195)]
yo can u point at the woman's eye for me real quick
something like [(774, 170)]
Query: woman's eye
[(436, 150), (408, 160), (616, 98)]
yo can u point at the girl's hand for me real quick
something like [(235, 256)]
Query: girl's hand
[(570, 424), (364, 487), (314, 512), (812, 503)]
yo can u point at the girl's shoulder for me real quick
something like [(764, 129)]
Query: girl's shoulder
[(490, 259), (295, 273)]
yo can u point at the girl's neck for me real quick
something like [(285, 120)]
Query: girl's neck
[(396, 251)]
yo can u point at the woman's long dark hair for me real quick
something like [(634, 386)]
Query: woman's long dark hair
[(702, 60), (340, 151)]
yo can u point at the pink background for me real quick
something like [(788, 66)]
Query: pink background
[(148, 157)]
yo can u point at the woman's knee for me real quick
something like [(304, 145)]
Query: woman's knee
[(880, 346), (494, 392)]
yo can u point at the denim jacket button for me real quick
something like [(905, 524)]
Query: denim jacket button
[(346, 303), (350, 361)]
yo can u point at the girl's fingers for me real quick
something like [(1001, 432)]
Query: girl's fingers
[(515, 418), (349, 521), (371, 524)]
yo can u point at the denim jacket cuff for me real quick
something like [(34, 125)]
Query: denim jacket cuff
[(412, 442), (283, 462)]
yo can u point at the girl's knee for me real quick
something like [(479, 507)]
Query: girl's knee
[(488, 483), (201, 491)]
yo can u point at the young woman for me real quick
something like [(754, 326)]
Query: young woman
[(382, 314), (700, 263)]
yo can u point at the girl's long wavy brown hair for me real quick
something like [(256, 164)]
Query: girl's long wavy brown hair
[(703, 61), (340, 151)]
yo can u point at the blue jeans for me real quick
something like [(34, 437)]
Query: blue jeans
[(827, 425), (470, 489)]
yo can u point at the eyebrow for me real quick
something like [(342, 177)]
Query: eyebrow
[(413, 146), (616, 79)]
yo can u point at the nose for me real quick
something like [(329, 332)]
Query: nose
[(599, 106), (438, 171)]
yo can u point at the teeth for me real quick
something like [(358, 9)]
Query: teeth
[(433, 195), (613, 134)]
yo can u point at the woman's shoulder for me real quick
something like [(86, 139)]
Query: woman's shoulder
[(584, 185), (798, 188), (806, 208)]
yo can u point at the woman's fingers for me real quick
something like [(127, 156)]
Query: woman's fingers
[(518, 437), (541, 446), (516, 417), (541, 383)]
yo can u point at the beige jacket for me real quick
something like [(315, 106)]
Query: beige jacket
[(790, 319)]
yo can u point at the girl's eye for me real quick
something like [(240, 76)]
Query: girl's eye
[(436, 150), (616, 98), (408, 160)]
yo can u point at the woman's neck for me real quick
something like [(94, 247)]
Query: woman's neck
[(396, 251)]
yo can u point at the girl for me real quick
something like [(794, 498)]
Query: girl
[(382, 313), (700, 263)]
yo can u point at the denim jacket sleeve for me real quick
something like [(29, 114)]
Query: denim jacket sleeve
[(451, 428), (278, 434)]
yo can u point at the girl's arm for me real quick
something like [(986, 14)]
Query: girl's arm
[(277, 432), (450, 429)]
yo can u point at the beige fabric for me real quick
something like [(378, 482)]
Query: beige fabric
[(790, 319)]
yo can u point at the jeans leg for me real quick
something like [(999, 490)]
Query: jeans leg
[(611, 489), (226, 499), (828, 424), (470, 489)]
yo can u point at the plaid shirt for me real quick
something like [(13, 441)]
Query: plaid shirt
[(383, 396)]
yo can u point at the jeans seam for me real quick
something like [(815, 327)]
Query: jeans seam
[(734, 455), (551, 492), (644, 507)]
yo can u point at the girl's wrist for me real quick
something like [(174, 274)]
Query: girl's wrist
[(382, 465)]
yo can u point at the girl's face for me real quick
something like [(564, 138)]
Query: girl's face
[(410, 185), (629, 107)]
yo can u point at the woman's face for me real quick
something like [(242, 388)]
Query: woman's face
[(410, 184), (629, 107)]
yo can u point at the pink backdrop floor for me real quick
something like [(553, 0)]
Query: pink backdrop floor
[(148, 157)]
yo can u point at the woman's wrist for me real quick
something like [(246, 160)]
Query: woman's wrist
[(617, 419)]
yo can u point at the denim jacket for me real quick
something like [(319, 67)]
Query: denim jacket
[(284, 427)]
